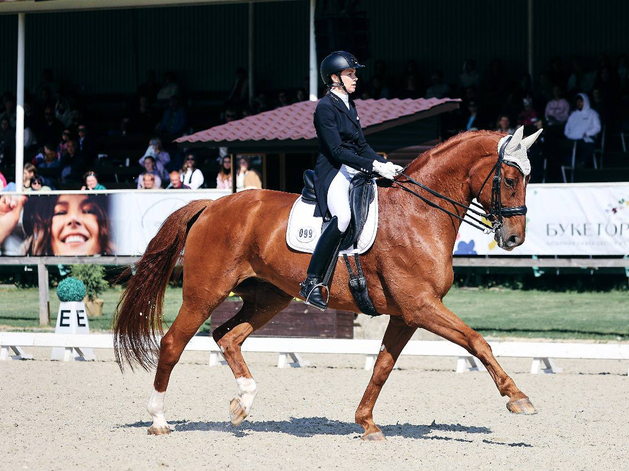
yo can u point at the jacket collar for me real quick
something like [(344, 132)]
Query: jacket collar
[(351, 112)]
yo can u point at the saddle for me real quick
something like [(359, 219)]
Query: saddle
[(361, 194)]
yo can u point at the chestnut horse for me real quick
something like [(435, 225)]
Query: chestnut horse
[(237, 243)]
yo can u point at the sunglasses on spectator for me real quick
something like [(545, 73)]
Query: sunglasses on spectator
[(189, 158), (81, 129), (36, 182)]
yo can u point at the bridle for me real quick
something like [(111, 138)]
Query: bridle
[(496, 213)]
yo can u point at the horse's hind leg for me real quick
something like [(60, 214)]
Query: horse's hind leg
[(262, 301), (436, 318), (396, 337), (198, 304)]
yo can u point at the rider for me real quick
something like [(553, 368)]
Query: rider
[(343, 152)]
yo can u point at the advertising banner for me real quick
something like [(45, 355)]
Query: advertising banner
[(578, 220), (568, 220), (67, 224)]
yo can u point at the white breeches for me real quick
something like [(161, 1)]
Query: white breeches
[(338, 197)]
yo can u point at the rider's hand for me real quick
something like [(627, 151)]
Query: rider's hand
[(10, 210), (387, 170)]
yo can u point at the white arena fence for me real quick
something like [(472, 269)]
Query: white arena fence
[(290, 350)]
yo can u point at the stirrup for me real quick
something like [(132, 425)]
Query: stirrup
[(312, 288)]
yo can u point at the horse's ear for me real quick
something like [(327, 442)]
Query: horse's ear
[(527, 142), (515, 140)]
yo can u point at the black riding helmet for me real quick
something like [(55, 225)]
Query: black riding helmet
[(336, 63)]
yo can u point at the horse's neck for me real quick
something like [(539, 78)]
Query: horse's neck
[(446, 170)]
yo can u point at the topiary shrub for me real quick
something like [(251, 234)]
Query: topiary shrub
[(93, 276), (70, 290)]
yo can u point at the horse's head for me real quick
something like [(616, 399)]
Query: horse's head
[(500, 183)]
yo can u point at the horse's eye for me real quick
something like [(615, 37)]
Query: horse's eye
[(510, 182)]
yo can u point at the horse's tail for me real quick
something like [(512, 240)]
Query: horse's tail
[(138, 316)]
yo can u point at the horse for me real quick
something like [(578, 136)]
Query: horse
[(237, 243)]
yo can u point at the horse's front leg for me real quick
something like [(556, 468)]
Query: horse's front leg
[(436, 318), (396, 337)]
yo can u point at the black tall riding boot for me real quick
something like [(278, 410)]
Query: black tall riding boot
[(324, 254)]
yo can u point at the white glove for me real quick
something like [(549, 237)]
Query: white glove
[(387, 170)]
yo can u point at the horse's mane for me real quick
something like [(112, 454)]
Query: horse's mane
[(467, 137)]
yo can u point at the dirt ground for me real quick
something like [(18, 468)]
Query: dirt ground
[(88, 416)]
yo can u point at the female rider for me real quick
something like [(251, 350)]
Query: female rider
[(343, 152)]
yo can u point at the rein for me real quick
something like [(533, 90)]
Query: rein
[(496, 212)]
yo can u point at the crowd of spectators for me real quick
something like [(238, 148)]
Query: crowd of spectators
[(574, 102)]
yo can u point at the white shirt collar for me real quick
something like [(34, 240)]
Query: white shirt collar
[(342, 96)]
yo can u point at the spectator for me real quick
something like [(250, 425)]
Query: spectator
[(191, 176), (30, 171), (582, 127), (63, 143), (155, 150), (469, 77), (32, 124), (557, 73), (175, 182), (603, 105), (69, 163), (301, 95), (411, 88), (170, 88), (580, 79), (9, 110), (224, 177), (173, 122), (47, 82), (282, 99), (7, 142), (37, 185), (494, 87), (63, 112), (528, 116), (148, 181), (504, 125), (239, 93), (151, 167), (378, 88), (150, 88), (45, 101), (557, 109), (247, 178), (472, 121), (91, 182), (260, 104), (142, 120), (438, 89), (52, 127), (48, 159), (85, 146)]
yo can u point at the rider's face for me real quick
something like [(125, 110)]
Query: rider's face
[(348, 76)]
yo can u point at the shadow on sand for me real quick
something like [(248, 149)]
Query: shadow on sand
[(312, 426)]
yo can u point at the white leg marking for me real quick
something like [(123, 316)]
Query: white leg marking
[(155, 407), (248, 392)]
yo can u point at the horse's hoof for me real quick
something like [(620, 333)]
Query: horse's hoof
[(374, 437), (152, 430), (236, 412), (521, 406)]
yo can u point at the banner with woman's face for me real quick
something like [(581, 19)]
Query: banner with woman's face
[(87, 224)]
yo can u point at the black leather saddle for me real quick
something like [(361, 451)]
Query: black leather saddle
[(361, 194)]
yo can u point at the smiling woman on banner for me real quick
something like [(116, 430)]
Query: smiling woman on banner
[(67, 225)]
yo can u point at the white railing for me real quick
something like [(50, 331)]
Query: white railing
[(543, 354)]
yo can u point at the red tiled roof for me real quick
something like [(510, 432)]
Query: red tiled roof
[(294, 122)]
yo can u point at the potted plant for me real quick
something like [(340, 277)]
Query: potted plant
[(93, 277)]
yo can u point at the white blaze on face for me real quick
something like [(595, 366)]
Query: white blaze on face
[(155, 407), (248, 392)]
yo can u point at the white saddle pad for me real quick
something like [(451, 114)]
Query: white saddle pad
[(304, 229)]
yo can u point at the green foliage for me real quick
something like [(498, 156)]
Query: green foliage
[(93, 276), (71, 290)]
